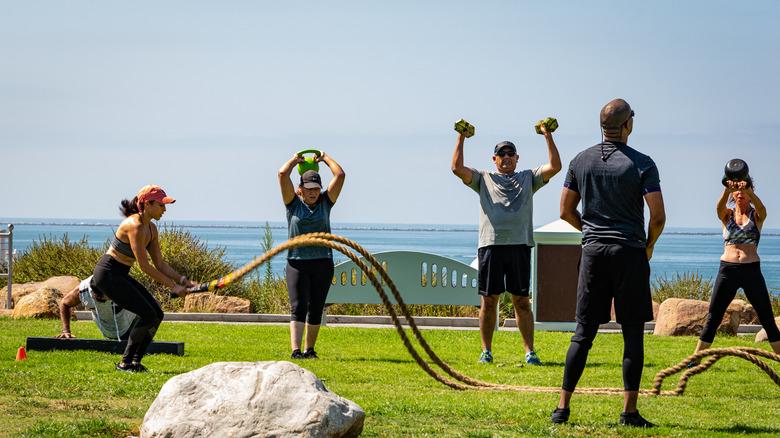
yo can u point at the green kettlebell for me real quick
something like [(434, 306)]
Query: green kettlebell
[(309, 163)]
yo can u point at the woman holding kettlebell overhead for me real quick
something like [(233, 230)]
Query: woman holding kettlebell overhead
[(742, 214), (309, 269)]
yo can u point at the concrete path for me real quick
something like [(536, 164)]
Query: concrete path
[(423, 322)]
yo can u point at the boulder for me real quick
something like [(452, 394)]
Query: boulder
[(656, 306), (747, 314), (682, 317), (257, 399), (209, 303), (64, 284), (761, 335), (43, 303)]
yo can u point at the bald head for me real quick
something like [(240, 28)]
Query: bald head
[(613, 116)]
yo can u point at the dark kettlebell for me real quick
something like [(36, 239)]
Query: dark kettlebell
[(736, 170)]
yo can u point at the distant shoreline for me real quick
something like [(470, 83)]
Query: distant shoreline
[(334, 227), (239, 226)]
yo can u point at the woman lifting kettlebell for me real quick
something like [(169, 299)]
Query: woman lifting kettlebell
[(742, 214), (309, 270)]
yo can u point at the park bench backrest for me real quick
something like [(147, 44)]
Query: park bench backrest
[(421, 278)]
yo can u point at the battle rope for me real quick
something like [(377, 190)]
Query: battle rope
[(464, 382)]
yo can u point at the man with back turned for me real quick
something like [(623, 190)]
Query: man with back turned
[(613, 181)]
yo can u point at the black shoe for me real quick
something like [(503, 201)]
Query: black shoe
[(635, 420), (296, 354), (560, 415), (139, 368), (310, 354), (128, 367)]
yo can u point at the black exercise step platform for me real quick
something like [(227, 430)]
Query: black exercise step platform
[(117, 347)]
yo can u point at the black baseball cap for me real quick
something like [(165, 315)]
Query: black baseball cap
[(311, 180), (505, 144)]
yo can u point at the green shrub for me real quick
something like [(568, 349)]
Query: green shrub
[(268, 294), (50, 257), (267, 291), (774, 297), (690, 285), (192, 258)]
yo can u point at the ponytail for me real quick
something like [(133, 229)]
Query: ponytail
[(129, 207)]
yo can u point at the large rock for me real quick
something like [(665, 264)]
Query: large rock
[(209, 303), (613, 317), (43, 303), (682, 317), (18, 291), (257, 399), (761, 335), (747, 314)]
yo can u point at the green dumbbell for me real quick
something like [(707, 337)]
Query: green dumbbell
[(549, 123), (464, 127)]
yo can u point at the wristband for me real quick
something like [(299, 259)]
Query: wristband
[(65, 331), (181, 280)]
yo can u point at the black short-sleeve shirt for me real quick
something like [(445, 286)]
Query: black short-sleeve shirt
[(612, 179)]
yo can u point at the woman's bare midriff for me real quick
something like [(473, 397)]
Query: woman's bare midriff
[(121, 258), (740, 253)]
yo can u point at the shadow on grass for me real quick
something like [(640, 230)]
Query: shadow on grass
[(743, 429), (374, 359)]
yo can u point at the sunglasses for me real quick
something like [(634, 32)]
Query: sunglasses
[(503, 154), (629, 117)]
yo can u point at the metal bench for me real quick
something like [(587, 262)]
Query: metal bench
[(421, 278), (7, 259)]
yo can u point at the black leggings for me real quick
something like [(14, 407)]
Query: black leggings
[(308, 282), (732, 276), (113, 280), (633, 355)]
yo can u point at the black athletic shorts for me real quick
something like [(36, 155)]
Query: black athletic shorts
[(504, 268), (613, 270)]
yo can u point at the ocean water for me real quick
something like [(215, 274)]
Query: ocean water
[(678, 250)]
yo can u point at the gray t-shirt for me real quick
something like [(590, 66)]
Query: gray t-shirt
[(305, 219), (506, 207), (103, 313), (612, 191)]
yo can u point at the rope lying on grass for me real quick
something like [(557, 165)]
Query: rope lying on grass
[(714, 354), (463, 382)]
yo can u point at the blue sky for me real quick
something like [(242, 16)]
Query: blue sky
[(209, 99)]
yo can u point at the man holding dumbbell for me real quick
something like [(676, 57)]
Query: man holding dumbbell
[(505, 232)]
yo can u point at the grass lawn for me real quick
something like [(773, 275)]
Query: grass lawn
[(80, 394)]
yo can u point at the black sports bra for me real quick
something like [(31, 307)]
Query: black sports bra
[(122, 247)]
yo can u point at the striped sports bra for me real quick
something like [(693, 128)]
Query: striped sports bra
[(122, 248), (748, 233)]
